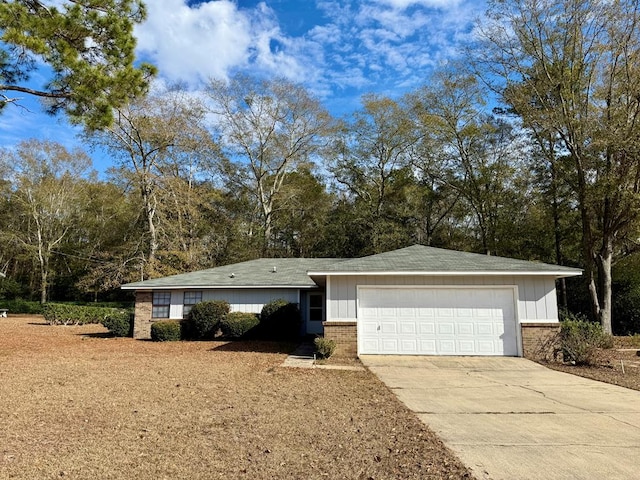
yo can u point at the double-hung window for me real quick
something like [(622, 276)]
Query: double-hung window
[(190, 299), (161, 304)]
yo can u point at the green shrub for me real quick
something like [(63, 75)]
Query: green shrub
[(238, 324), (119, 323), (19, 305), (205, 317), (280, 319), (324, 347), (581, 339), (67, 314), (166, 331)]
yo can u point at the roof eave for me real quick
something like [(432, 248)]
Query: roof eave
[(204, 287), (558, 274)]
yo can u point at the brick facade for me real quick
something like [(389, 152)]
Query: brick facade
[(345, 334), (540, 341), (142, 320)]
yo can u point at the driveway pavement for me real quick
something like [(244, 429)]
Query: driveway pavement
[(510, 418)]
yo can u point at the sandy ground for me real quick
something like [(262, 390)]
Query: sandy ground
[(77, 404)]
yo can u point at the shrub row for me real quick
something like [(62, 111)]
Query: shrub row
[(19, 305), (279, 319), (66, 314), (239, 325)]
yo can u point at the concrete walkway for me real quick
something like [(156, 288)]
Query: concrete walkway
[(510, 418)]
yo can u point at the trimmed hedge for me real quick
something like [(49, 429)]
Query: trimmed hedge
[(324, 347), (65, 314), (120, 324), (238, 324), (19, 305), (166, 331), (280, 319), (205, 317)]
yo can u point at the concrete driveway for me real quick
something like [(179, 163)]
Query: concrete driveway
[(510, 418)]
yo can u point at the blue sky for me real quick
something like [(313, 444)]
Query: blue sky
[(338, 49)]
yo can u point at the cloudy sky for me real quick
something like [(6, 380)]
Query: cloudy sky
[(338, 49)]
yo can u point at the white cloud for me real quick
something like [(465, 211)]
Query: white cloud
[(209, 39), (358, 45)]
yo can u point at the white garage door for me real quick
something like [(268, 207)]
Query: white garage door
[(437, 321)]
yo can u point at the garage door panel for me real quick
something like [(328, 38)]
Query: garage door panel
[(387, 327), (409, 345), (466, 347), (445, 327), (408, 328), (427, 328), (428, 347), (446, 347), (484, 328), (465, 328), (389, 345), (437, 321)]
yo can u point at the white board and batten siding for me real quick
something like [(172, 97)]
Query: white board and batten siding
[(536, 295), (240, 300), (441, 315)]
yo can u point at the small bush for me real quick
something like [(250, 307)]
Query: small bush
[(581, 339), (166, 331), (324, 347), (119, 323), (280, 319), (205, 317), (238, 324), (67, 314)]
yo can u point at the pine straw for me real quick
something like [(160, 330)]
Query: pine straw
[(74, 404)]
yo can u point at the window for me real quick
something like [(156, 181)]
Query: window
[(190, 299), (161, 304), (315, 307)]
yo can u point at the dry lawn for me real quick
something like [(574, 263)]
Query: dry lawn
[(619, 365), (74, 404)]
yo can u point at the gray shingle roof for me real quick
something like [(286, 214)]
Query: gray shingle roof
[(419, 258), (294, 272), (290, 272)]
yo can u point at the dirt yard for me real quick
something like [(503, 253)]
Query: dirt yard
[(619, 365), (75, 404)]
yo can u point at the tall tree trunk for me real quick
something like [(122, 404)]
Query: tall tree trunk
[(604, 262), (557, 236)]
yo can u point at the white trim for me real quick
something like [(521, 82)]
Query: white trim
[(327, 296), (456, 273), (513, 288), (215, 287)]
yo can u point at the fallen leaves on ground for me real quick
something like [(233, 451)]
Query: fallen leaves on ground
[(75, 403)]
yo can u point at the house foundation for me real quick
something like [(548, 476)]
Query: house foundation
[(345, 334), (541, 341)]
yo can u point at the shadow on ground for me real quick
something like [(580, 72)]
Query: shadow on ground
[(258, 346)]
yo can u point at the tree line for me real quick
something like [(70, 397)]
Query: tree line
[(529, 149)]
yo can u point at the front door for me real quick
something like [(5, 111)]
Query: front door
[(315, 314)]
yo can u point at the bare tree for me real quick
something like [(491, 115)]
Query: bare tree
[(154, 139), (48, 193), (572, 69), (269, 128)]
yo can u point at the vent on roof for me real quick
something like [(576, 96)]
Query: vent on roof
[(274, 269), (232, 275)]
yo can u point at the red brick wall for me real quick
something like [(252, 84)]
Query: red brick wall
[(142, 320), (345, 334), (540, 341)]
